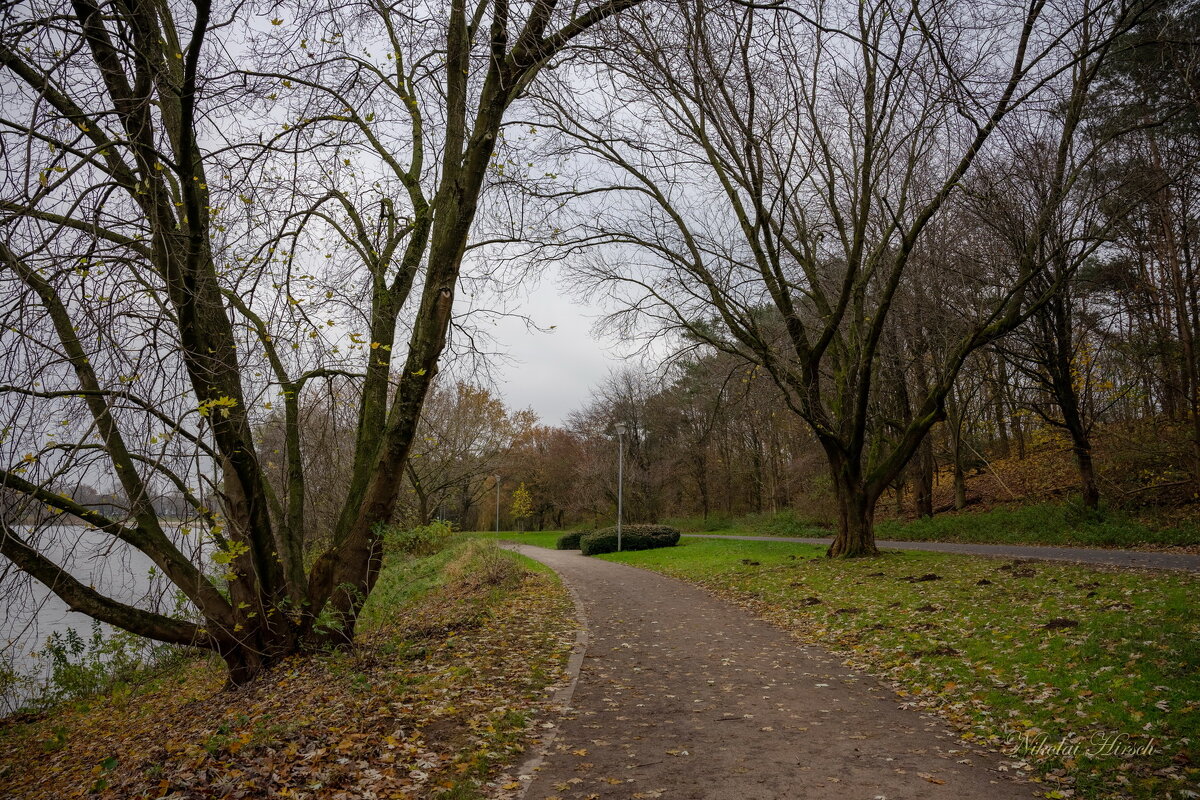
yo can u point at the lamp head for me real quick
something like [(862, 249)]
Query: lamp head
[(620, 428)]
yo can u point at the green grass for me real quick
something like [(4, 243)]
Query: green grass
[(536, 538), (406, 579), (982, 656), (789, 522), (402, 583), (1051, 524), (1067, 525)]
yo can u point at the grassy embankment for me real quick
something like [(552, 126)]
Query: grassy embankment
[(1059, 665), (535, 538), (455, 653), (1064, 525)]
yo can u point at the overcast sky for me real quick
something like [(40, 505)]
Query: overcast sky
[(554, 372)]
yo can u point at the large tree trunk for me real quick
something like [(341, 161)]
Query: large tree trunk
[(856, 513), (999, 411), (1081, 446), (955, 426), (960, 487), (923, 479), (1087, 476), (1018, 430), (1061, 366), (856, 525)]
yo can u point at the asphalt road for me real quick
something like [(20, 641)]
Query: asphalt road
[(683, 695)]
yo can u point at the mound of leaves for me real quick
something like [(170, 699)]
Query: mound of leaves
[(633, 537)]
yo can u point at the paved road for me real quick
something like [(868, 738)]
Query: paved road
[(1084, 555), (683, 695)]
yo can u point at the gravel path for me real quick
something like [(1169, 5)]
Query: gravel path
[(1083, 555), (683, 695)]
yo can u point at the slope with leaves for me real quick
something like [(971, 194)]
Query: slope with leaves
[(434, 700), (1142, 467)]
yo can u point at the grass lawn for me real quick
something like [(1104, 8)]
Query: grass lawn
[(455, 653), (1064, 525), (1068, 669), (536, 538)]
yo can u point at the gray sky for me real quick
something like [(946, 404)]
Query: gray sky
[(553, 373)]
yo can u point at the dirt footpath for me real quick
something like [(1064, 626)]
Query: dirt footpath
[(682, 695)]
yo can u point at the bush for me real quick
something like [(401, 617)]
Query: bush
[(570, 540), (78, 667), (633, 537), (480, 566), (423, 541)]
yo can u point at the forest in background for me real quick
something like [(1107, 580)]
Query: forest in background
[(713, 445), (1093, 397)]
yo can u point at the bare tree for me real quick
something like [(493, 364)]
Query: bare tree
[(763, 182), (138, 309)]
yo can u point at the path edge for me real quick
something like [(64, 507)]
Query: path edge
[(560, 701)]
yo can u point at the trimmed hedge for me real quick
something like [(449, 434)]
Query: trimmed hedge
[(570, 540), (633, 537)]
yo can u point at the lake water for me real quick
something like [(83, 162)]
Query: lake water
[(30, 612)]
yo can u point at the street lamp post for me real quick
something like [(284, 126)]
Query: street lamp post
[(497, 477), (620, 477)]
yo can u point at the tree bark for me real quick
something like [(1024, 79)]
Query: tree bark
[(856, 507), (955, 426), (923, 479), (856, 522), (1087, 475)]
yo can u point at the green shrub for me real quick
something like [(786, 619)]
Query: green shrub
[(482, 565), (1043, 523), (812, 517), (1076, 514), (570, 540), (422, 541), (79, 667), (633, 537)]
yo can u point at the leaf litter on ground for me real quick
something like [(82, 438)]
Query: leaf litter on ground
[(440, 697)]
